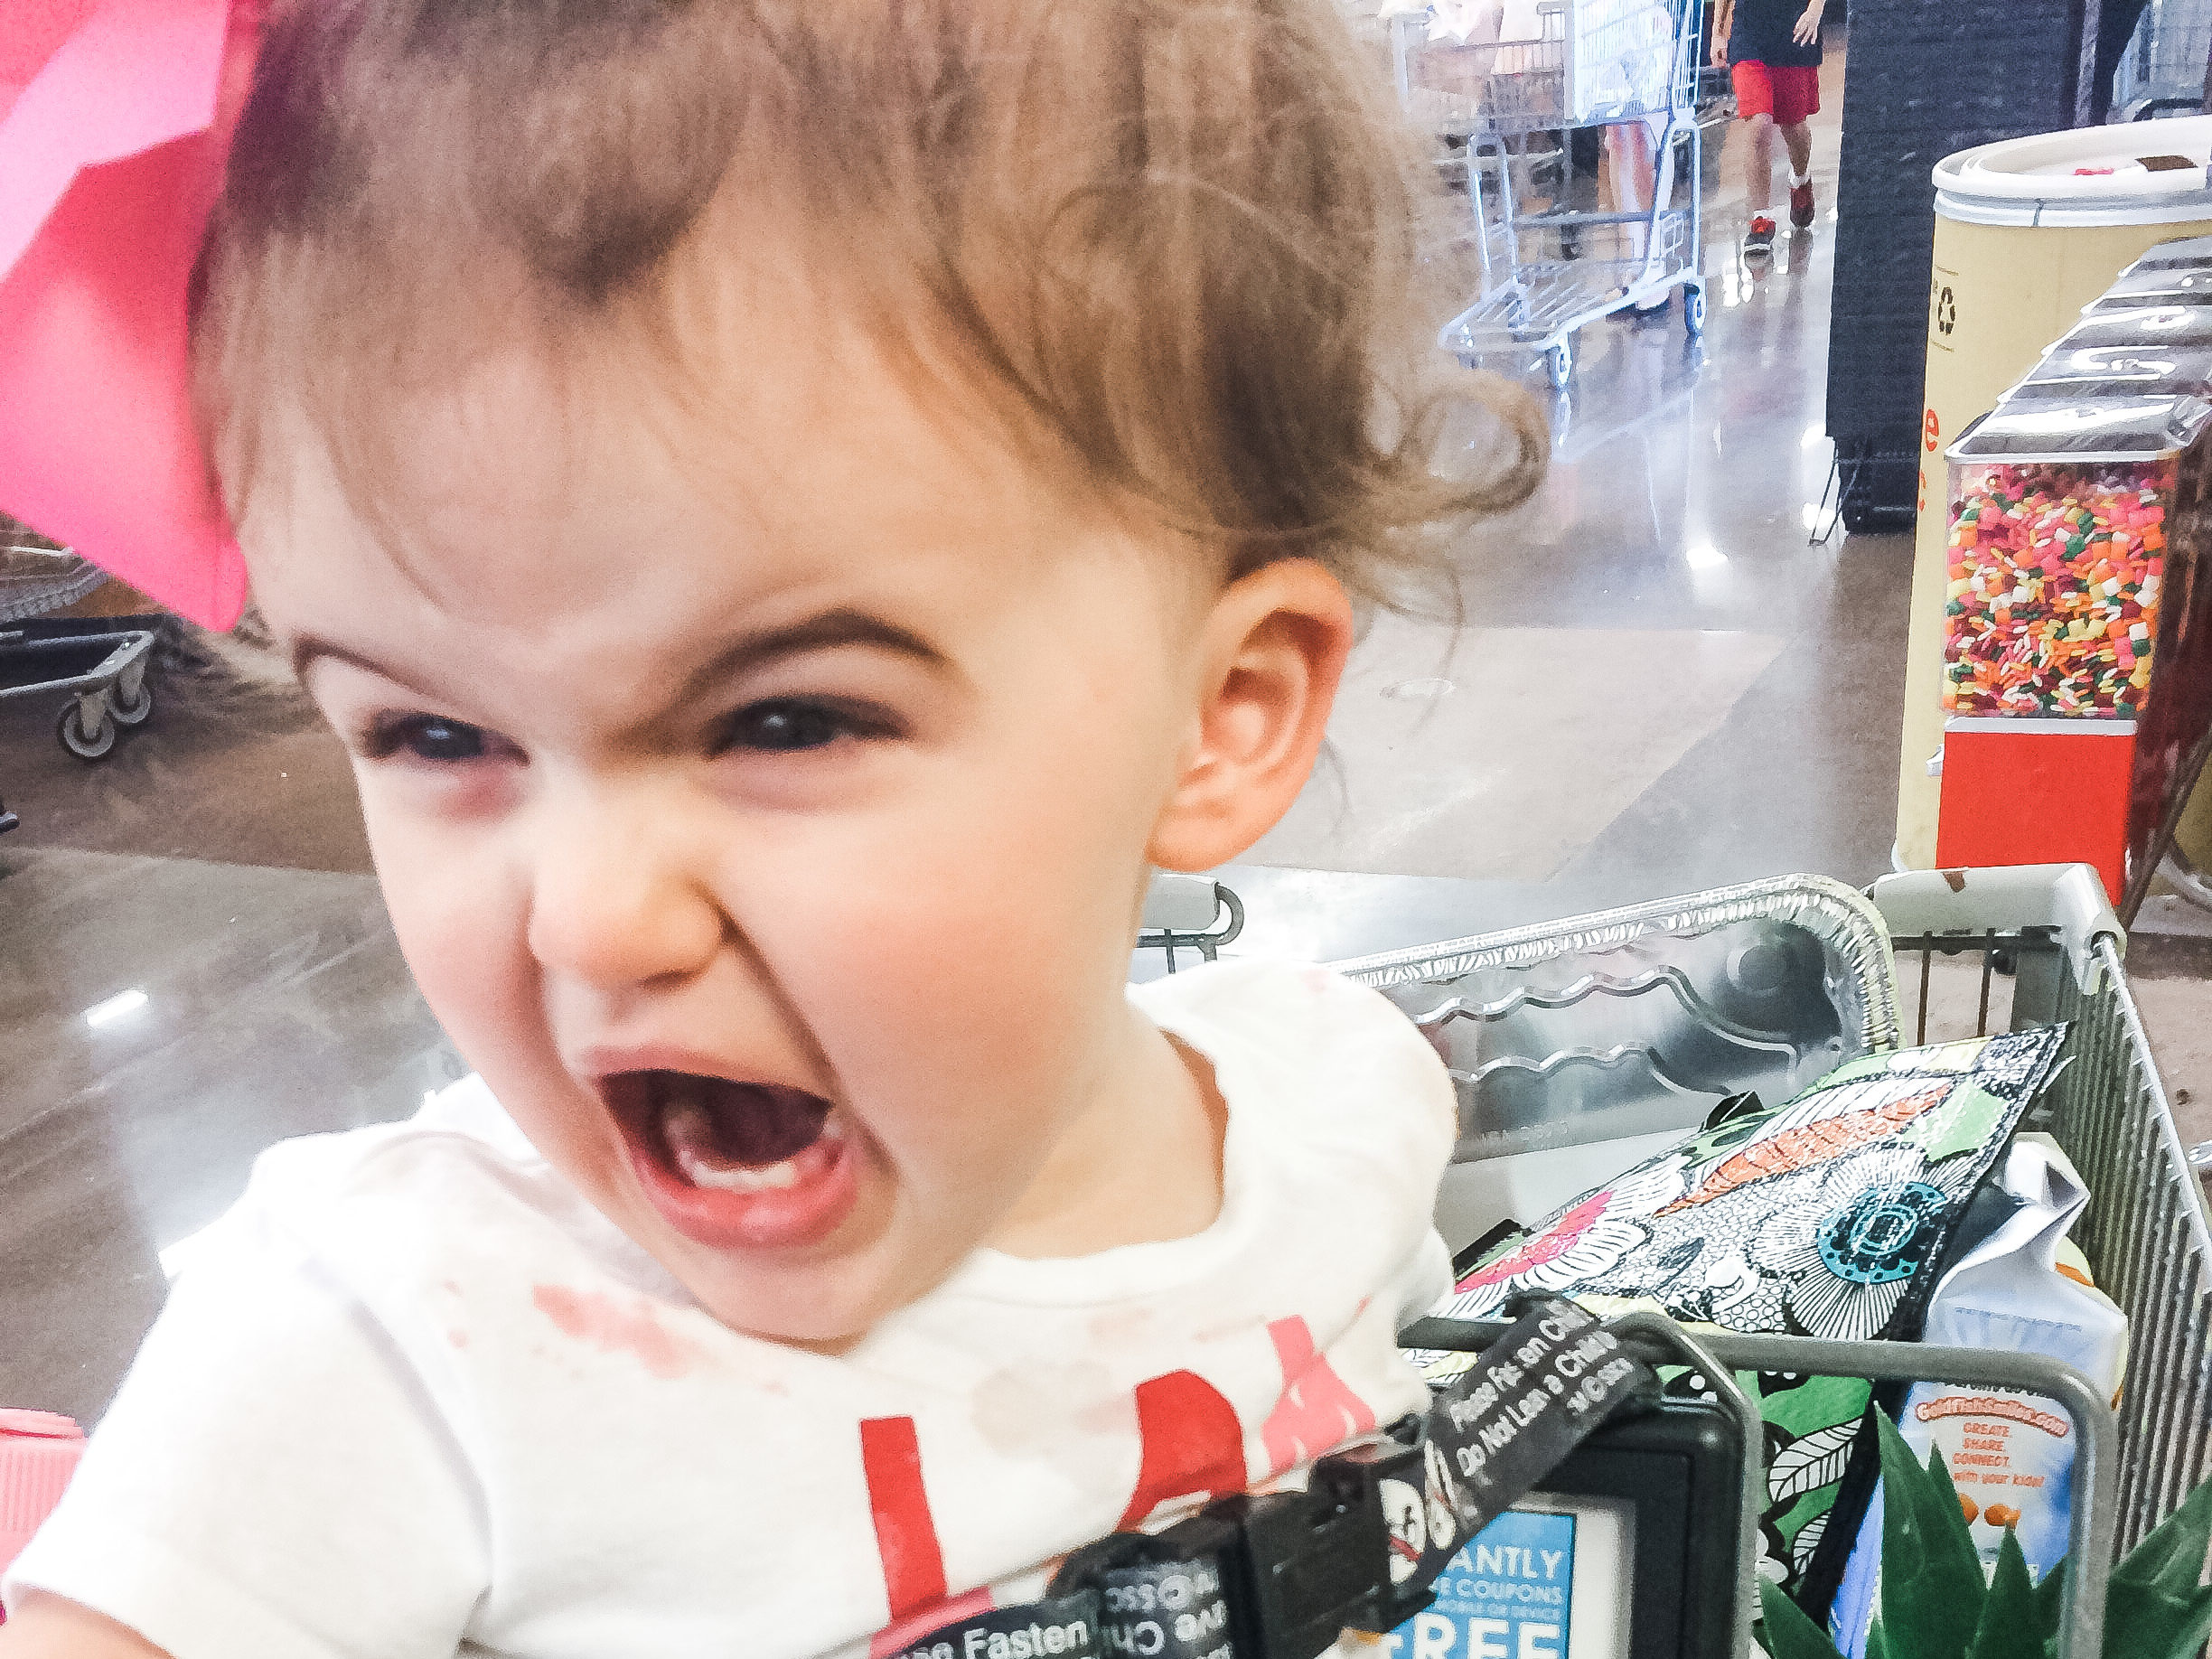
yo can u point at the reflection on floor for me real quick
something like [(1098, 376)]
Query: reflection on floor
[(1662, 683), (1666, 682)]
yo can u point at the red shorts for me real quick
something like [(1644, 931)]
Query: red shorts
[(1788, 94)]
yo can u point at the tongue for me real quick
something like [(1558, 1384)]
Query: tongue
[(717, 1123)]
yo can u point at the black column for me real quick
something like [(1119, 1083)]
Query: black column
[(1923, 81)]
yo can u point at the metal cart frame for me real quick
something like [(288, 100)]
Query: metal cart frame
[(101, 671), (1494, 95), (2145, 1231), (2163, 70), (1188, 913)]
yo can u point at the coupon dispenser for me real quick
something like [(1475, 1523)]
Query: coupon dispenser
[(1632, 1547)]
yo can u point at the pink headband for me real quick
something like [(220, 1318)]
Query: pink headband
[(115, 115)]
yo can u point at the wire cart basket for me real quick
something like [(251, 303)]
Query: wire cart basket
[(1592, 63), (1667, 983), (36, 580), (2164, 70)]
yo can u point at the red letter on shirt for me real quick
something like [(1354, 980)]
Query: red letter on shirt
[(1192, 1444), (1317, 1412), (906, 1535)]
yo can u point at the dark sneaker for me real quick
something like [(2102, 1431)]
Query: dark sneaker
[(1759, 240), (1801, 204)]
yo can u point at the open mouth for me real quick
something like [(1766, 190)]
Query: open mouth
[(732, 1164)]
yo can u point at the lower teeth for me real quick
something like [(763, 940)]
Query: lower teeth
[(689, 1130)]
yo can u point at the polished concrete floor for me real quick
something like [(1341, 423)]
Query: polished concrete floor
[(1661, 682)]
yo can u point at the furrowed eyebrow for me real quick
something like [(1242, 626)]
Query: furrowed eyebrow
[(310, 648), (825, 632)]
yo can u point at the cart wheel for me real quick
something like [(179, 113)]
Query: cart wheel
[(1559, 363), (131, 714), (1693, 310), (96, 744), (2186, 878)]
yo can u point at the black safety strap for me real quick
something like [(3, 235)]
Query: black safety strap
[(1281, 1575)]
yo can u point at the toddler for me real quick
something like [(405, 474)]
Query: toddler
[(796, 509)]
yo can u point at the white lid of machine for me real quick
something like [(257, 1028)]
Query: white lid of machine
[(2140, 172)]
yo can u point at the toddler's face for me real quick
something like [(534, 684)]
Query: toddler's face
[(762, 798)]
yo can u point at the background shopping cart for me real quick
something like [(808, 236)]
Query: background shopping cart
[(1592, 63), (94, 676), (2162, 72)]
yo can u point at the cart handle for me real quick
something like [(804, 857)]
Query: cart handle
[(2096, 1474), (2069, 899), (1182, 913)]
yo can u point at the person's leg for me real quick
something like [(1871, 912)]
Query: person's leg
[(1755, 107), (1758, 177), (1796, 97), (1800, 142), (1798, 139), (1631, 147), (1629, 153)]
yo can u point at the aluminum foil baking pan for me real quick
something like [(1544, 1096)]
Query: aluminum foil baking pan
[(1638, 1021)]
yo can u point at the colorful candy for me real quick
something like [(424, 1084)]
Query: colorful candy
[(2055, 572)]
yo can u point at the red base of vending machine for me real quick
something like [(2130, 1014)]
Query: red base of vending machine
[(2037, 792)]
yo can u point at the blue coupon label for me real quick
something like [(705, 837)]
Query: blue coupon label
[(1507, 1594)]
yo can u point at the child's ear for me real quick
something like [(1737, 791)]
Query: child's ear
[(1270, 654)]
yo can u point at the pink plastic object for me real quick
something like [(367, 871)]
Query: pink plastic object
[(115, 115), (37, 1453)]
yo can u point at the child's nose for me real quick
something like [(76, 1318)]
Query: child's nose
[(614, 901)]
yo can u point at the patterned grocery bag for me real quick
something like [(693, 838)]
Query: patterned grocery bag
[(1828, 1216)]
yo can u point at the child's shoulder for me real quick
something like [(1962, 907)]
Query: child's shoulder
[(418, 1199), (459, 1135), (1263, 994), (1292, 1036)]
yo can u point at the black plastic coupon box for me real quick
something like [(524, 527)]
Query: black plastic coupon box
[(1628, 1550)]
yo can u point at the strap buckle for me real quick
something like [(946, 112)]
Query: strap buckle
[(1282, 1574)]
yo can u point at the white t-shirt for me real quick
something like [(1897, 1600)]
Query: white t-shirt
[(418, 1397)]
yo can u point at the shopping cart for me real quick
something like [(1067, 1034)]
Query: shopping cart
[(2162, 72), (1188, 913), (1680, 1003), (34, 580), (98, 673), (1592, 63)]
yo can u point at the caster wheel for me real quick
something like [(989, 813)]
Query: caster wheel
[(132, 714), (2186, 878), (96, 744), (1559, 363), (1693, 310)]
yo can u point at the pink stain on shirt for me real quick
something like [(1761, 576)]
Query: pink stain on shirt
[(612, 1328)]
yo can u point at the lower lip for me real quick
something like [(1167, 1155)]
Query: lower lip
[(775, 1218)]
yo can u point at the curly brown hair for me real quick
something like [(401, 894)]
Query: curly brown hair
[(1175, 238)]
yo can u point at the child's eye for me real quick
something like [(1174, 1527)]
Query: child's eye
[(785, 723), (430, 738)]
